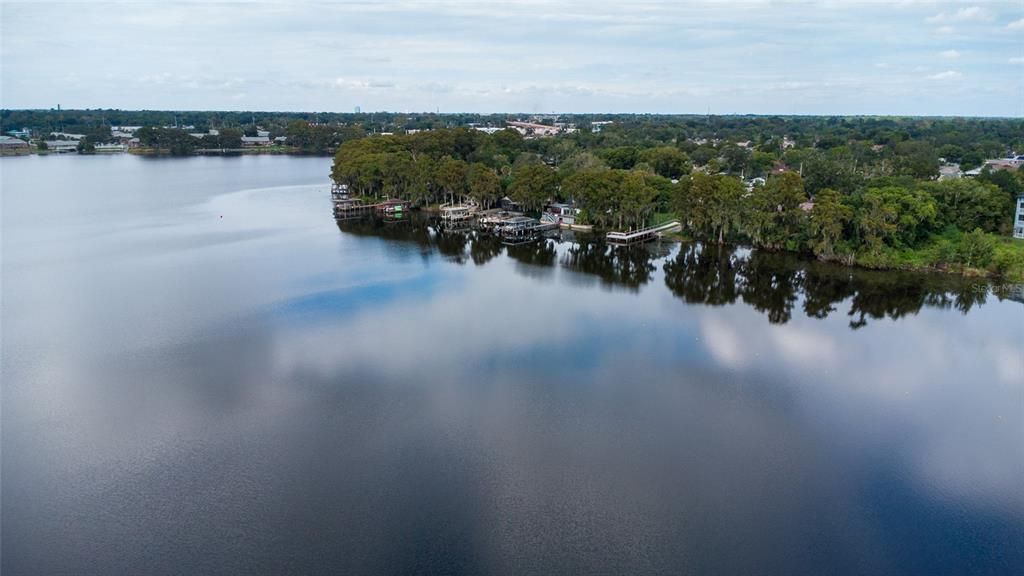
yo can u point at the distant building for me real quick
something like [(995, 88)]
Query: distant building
[(596, 126), (62, 145), (24, 133), (251, 141), (66, 136), (11, 145), (1018, 218), (950, 172), (1012, 163), (531, 129)]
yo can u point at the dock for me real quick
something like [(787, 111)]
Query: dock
[(643, 234), (346, 206)]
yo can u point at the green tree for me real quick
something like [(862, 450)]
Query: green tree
[(85, 146), (667, 161), (827, 221), (776, 218), (484, 184), (532, 185), (976, 249), (895, 216)]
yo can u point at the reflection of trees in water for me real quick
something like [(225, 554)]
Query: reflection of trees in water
[(713, 275), (629, 266), (418, 229), (412, 230), (452, 244), (537, 253), (704, 274), (484, 248), (771, 283)]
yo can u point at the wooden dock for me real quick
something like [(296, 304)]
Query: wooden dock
[(643, 234), (346, 207)]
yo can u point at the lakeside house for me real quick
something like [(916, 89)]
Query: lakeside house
[(1018, 218), (62, 145), (24, 133), (254, 141), (11, 145)]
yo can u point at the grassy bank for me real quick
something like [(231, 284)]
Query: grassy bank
[(970, 254)]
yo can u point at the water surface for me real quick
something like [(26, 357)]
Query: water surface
[(203, 372)]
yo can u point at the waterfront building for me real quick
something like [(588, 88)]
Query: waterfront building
[(1018, 218)]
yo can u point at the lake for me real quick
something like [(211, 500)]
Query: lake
[(205, 373)]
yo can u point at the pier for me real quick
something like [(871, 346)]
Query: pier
[(643, 234), (346, 206)]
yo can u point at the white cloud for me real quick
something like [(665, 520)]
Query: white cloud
[(947, 75), (1016, 60), (1016, 25), (967, 14), (452, 55), (949, 54)]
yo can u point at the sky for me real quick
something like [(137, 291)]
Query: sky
[(905, 57)]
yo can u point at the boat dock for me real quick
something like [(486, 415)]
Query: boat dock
[(643, 234), (346, 206)]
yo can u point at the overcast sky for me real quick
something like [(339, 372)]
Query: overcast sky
[(753, 56)]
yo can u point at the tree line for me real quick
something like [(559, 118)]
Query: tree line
[(901, 219)]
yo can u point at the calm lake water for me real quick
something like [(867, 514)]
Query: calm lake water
[(204, 373)]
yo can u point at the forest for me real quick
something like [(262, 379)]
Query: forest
[(879, 210)]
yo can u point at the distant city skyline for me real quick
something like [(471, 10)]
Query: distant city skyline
[(901, 57)]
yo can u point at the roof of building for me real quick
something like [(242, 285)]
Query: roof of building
[(12, 141)]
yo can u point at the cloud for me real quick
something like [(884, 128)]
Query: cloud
[(949, 54), (967, 14), (1016, 60), (947, 75), (1016, 25), (582, 57)]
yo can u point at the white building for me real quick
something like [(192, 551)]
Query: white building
[(248, 141), (949, 172), (66, 136), (1018, 218)]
